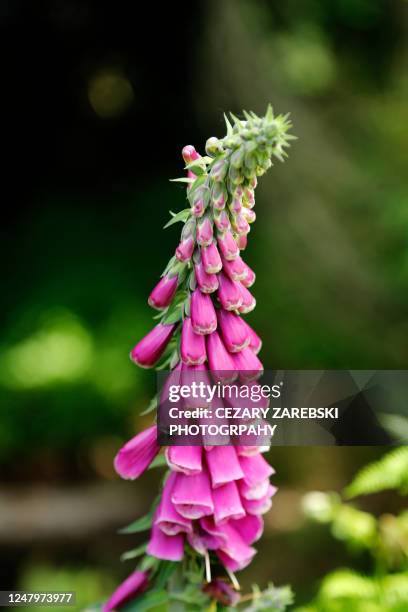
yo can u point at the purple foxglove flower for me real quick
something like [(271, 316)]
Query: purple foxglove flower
[(250, 527), (236, 269), (163, 293), (256, 469), (249, 278), (247, 365), (257, 491), (199, 204), (224, 465), (149, 350), (255, 343), (137, 454), (167, 518), (203, 317), (229, 293), (235, 554), (195, 374), (222, 592), (205, 232), (236, 205), (222, 221), (242, 241), (163, 546), (248, 300), (189, 154), (249, 215), (185, 459), (208, 283), (241, 225), (228, 246), (211, 259), (134, 585), (259, 506), (249, 197), (209, 526), (227, 502), (233, 330), (192, 346), (185, 249), (191, 495), (219, 170), (221, 363)]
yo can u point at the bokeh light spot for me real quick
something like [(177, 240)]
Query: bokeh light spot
[(110, 93)]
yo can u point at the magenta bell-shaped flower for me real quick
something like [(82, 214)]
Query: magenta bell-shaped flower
[(235, 269), (189, 154), (211, 259), (163, 546), (185, 249), (221, 363), (192, 346), (191, 495), (134, 585), (241, 225), (250, 527), (222, 221), (242, 241), (224, 465), (163, 293), (247, 364), (185, 459), (203, 317), (204, 232), (255, 343), (208, 283), (137, 454), (248, 300), (234, 331), (235, 554), (228, 246), (227, 502), (229, 293), (167, 518), (149, 350), (249, 277)]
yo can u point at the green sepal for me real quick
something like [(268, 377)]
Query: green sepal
[(181, 216), (134, 553)]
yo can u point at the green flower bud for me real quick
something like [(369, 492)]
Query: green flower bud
[(219, 170), (213, 146), (237, 158)]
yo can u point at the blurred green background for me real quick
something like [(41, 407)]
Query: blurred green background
[(100, 98)]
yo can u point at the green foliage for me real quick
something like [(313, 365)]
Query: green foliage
[(385, 538), (391, 472), (272, 599)]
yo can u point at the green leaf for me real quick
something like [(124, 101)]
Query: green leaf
[(390, 472), (183, 179), (134, 553), (181, 216), (159, 461), (174, 312), (142, 524), (152, 406), (166, 569), (152, 600)]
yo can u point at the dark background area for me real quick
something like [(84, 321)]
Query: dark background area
[(98, 100)]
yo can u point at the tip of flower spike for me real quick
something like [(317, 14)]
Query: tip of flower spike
[(189, 154)]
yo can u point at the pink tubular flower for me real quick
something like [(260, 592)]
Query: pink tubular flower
[(163, 546), (228, 246), (185, 249), (203, 317), (137, 454), (236, 269), (229, 293), (227, 502), (222, 221), (208, 283), (234, 331), (250, 527), (249, 277), (235, 554), (189, 154), (149, 350), (191, 495), (242, 241), (221, 363), (163, 293), (255, 343), (224, 465), (204, 232), (185, 459), (236, 205), (248, 300), (192, 347), (247, 364), (241, 225), (134, 585), (259, 506), (211, 259), (167, 518)]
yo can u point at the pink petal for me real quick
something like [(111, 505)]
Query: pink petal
[(137, 454)]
